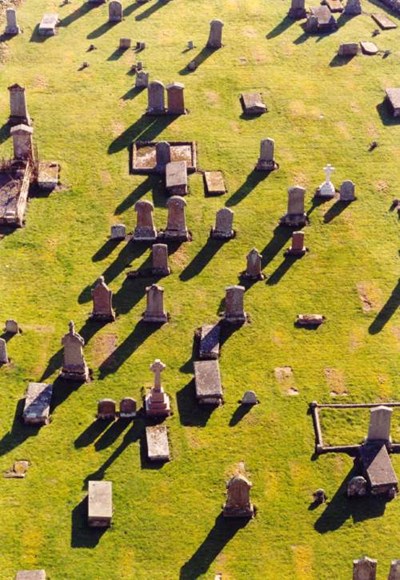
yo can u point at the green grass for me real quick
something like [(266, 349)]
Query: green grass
[(318, 113)]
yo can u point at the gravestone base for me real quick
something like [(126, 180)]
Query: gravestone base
[(12, 30), (254, 278), (144, 234), (238, 512), (294, 220), (264, 165), (297, 13), (296, 253), (239, 319), (102, 316), (326, 191), (160, 271), (156, 318), (157, 409), (219, 235), (175, 236), (75, 373), (156, 112)]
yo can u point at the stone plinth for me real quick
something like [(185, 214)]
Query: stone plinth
[(102, 302), (238, 504), (100, 506), (37, 404), (209, 341), (214, 182), (74, 365), (252, 104), (208, 382), (176, 181)]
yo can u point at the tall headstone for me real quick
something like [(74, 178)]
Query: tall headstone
[(379, 424), (157, 401), (223, 224), (297, 10), (215, 36), (176, 222), (353, 8), (266, 160), (74, 366), (12, 27), (175, 99), (18, 107), (347, 191), (394, 572), (155, 305), (253, 267), (144, 230), (102, 301), (156, 98), (297, 248), (22, 142), (234, 305), (364, 569), (142, 79), (3, 352), (159, 260), (295, 216), (327, 189), (163, 155), (115, 11), (238, 504)]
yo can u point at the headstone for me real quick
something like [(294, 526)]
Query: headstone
[(253, 267), (118, 232), (144, 230), (157, 443), (266, 160), (297, 248), (190, 44), (326, 189), (207, 379), (155, 305), (249, 398), (176, 178), (127, 408), (223, 224), (3, 352), (74, 366), (320, 19), (37, 404), (393, 96), (347, 190), (252, 104), (238, 504), (309, 319), (295, 216), (157, 402), (176, 222), (102, 301), (12, 27), (124, 43), (209, 341), (48, 24), (12, 327), (215, 36), (100, 506), (297, 10), (139, 64), (319, 496), (214, 182), (142, 79), (106, 409), (175, 99), (159, 258), (364, 569), (163, 155), (394, 572), (31, 575), (234, 309), (357, 486), (379, 424), (348, 49), (22, 142), (115, 11), (352, 8), (18, 107), (156, 98)]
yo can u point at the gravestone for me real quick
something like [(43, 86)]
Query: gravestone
[(142, 79), (353, 8), (156, 98), (295, 216), (176, 222), (320, 19), (234, 308), (74, 366), (297, 248), (253, 267), (383, 21), (157, 443), (12, 27), (18, 107), (31, 575), (163, 155), (37, 404), (118, 232), (252, 104), (176, 178), (209, 341), (207, 379), (266, 160), (238, 504), (22, 142), (249, 398), (214, 182), (106, 409), (215, 36), (357, 486), (127, 408), (175, 99), (155, 305), (223, 225), (102, 301), (347, 191), (379, 424), (348, 49), (159, 260), (124, 43), (157, 403), (12, 327), (326, 189), (394, 572), (297, 10), (48, 24), (100, 506), (364, 569), (144, 230), (3, 352), (115, 11)]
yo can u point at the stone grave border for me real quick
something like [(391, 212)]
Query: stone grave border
[(135, 145)]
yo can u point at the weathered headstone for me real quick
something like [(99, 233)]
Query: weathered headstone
[(326, 189), (394, 572), (249, 398), (156, 98), (118, 232), (295, 216), (155, 305), (37, 404), (74, 366), (176, 222), (157, 443), (100, 505), (215, 36), (353, 8), (18, 107), (127, 408), (157, 403), (357, 486), (238, 504), (124, 43), (115, 11), (379, 424), (348, 49), (207, 379), (48, 25), (266, 160), (209, 341), (364, 569), (159, 260), (163, 155), (297, 10), (297, 248), (369, 48), (223, 224), (234, 307), (347, 191), (253, 104), (253, 267), (12, 27), (142, 79), (176, 178), (12, 326), (102, 301), (3, 352), (144, 230), (22, 142), (175, 99), (106, 409)]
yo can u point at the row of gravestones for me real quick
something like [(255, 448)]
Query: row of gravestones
[(365, 569)]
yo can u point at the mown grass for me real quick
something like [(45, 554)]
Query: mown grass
[(166, 520)]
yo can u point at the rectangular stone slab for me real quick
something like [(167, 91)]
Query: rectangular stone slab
[(100, 506), (37, 403), (31, 575), (384, 22), (252, 103), (334, 5), (48, 175), (208, 382), (378, 466), (47, 26), (157, 443), (176, 177), (214, 182), (209, 341)]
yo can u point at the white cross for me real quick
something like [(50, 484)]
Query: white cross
[(157, 367), (328, 172)]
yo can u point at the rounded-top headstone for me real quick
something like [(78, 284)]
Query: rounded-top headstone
[(249, 398)]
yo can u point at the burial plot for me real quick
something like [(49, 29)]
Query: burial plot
[(157, 443), (48, 25), (31, 575), (383, 21), (157, 403), (319, 20), (74, 365), (209, 336), (238, 504), (252, 104), (223, 225), (18, 107), (100, 507), (106, 409), (102, 302), (176, 178), (145, 159), (393, 97), (364, 569), (208, 382), (12, 27), (37, 404), (14, 190), (214, 183)]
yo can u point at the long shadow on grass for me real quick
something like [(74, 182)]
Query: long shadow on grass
[(131, 251), (101, 30), (62, 389), (335, 210), (223, 531), (281, 27), (281, 270), (385, 112), (131, 8), (54, 363), (132, 93), (316, 202), (82, 536), (252, 180), (4, 132), (91, 433), (339, 60), (18, 433), (146, 128), (280, 237), (81, 11), (191, 414), (106, 249), (238, 415), (149, 11), (387, 311), (201, 57), (139, 191), (201, 259), (133, 290), (111, 434)]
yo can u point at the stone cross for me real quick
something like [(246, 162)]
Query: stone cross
[(144, 229), (156, 98), (223, 224), (157, 367), (175, 99), (12, 27), (18, 107), (215, 36), (379, 424), (3, 352), (22, 142), (327, 188), (364, 569)]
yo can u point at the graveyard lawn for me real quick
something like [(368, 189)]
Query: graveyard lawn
[(322, 109)]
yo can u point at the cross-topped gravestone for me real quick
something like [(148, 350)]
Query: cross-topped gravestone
[(157, 401), (74, 366), (157, 368), (327, 189)]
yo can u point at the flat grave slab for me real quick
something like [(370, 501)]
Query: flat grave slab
[(157, 443), (214, 182), (31, 575), (348, 49), (378, 468), (37, 404), (100, 506), (48, 24), (383, 21), (252, 104), (142, 156), (209, 341), (369, 48), (334, 5), (176, 178), (208, 382), (310, 319), (48, 175)]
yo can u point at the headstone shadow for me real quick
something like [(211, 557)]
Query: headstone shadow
[(339, 60), (4, 132), (130, 251), (335, 210), (386, 114), (18, 433), (149, 11), (132, 93), (191, 414), (139, 191), (101, 30), (387, 311), (83, 536), (201, 259), (54, 363), (239, 413), (252, 180), (128, 10), (90, 434), (90, 328), (281, 270), (105, 250), (146, 128), (116, 55), (36, 37), (111, 434), (80, 11), (316, 202), (281, 27), (280, 237), (131, 292), (62, 389), (200, 58)]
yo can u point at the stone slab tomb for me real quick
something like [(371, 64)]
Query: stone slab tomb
[(176, 181), (369, 48), (157, 443), (14, 189), (223, 225), (378, 470), (364, 569), (100, 505), (207, 379), (102, 302), (151, 157), (252, 104), (393, 98), (353, 8), (320, 19), (334, 5), (48, 25), (37, 404), (31, 575), (309, 319), (349, 49), (214, 183), (238, 504), (12, 27), (209, 337), (106, 409), (383, 21)]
